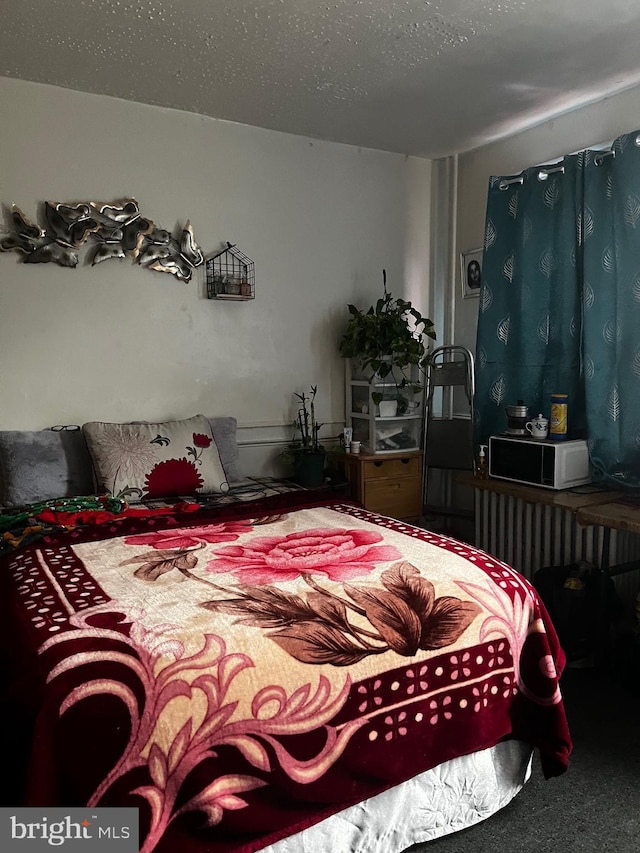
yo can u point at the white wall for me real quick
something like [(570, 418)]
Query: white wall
[(118, 342), (598, 123)]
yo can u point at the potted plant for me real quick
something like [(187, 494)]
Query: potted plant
[(387, 342), (306, 454)]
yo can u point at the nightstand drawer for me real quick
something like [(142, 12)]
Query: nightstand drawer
[(400, 498), (390, 485), (409, 466)]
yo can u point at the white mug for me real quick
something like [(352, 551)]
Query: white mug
[(538, 427), (355, 447)]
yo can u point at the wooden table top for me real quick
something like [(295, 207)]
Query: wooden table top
[(622, 514), (572, 499)]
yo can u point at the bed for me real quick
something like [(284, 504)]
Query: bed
[(252, 665)]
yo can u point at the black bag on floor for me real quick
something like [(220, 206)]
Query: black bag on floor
[(572, 595)]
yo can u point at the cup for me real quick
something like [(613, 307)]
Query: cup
[(355, 447), (538, 427)]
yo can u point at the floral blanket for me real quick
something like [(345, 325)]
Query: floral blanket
[(240, 673)]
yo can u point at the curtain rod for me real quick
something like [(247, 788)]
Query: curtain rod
[(506, 182), (543, 174), (598, 159)]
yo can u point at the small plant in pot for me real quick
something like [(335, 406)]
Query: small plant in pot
[(387, 342), (306, 455)]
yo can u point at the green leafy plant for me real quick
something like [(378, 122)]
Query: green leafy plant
[(388, 341)]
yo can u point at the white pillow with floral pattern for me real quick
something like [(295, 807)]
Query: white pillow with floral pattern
[(155, 460)]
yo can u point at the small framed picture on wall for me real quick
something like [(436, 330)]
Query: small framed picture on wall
[(471, 273)]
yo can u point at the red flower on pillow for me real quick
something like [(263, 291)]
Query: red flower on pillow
[(201, 440), (338, 554), (173, 477)]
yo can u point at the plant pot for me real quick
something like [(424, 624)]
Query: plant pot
[(309, 469), (388, 408)]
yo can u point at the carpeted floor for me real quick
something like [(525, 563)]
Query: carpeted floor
[(595, 806)]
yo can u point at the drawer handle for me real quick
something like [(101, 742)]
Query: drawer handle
[(378, 464), (405, 461)]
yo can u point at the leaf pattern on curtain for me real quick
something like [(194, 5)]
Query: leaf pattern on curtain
[(611, 332), (589, 368), (498, 390), (552, 194), (585, 225), (632, 210), (609, 261), (489, 234), (503, 330), (588, 297), (544, 329), (547, 263), (559, 310), (613, 404), (486, 299), (507, 268)]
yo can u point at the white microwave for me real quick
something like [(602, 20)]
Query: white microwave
[(550, 464)]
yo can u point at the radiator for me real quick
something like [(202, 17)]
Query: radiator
[(529, 536)]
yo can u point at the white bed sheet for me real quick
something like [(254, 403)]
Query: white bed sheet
[(450, 797)]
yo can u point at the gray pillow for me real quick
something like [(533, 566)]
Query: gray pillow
[(42, 465), (224, 435)]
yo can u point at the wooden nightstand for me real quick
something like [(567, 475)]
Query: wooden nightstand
[(389, 483)]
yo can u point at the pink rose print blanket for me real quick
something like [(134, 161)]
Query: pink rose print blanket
[(242, 673)]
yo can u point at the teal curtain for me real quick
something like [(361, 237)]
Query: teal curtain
[(559, 308)]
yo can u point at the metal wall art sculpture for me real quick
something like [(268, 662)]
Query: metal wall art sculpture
[(113, 230)]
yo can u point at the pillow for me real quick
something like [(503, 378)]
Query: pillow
[(224, 434), (42, 465), (155, 460), (224, 431)]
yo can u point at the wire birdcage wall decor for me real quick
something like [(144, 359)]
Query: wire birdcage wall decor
[(230, 274)]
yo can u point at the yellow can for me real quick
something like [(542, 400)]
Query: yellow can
[(558, 422)]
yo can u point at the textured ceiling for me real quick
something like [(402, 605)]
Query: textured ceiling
[(410, 76)]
